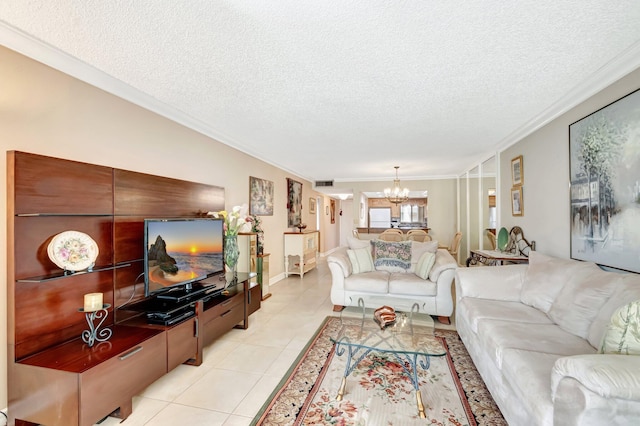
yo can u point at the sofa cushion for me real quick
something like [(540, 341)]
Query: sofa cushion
[(411, 284), (545, 278), (360, 260), (581, 298), (497, 336), (418, 249), (426, 262), (368, 282), (528, 374), (623, 334), (444, 261), (476, 310), (392, 256), (628, 291)]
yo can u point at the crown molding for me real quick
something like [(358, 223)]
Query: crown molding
[(608, 74), (55, 58)]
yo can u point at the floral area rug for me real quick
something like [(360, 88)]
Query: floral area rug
[(378, 391)]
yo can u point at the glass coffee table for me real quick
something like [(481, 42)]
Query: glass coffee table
[(411, 345)]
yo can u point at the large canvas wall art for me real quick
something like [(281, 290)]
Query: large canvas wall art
[(604, 153), (294, 203), (260, 197)]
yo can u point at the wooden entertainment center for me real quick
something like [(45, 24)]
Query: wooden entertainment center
[(54, 377)]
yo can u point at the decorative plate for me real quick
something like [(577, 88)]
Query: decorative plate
[(73, 251), (503, 238)]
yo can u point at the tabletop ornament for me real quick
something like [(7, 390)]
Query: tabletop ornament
[(96, 313)]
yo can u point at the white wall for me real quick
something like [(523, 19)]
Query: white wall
[(546, 174)]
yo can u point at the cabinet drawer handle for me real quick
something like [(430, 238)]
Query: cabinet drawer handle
[(226, 313), (226, 302), (130, 353)]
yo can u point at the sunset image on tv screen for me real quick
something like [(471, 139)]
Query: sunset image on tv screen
[(183, 251)]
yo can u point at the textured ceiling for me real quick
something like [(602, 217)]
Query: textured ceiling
[(342, 90)]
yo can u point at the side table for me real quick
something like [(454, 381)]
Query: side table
[(494, 258), (263, 274)]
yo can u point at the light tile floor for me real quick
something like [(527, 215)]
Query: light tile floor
[(242, 368)]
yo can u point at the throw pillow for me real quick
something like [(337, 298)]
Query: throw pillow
[(426, 262), (392, 256), (361, 260), (623, 334), (545, 278), (418, 249), (355, 243)]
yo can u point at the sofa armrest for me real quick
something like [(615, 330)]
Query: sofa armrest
[(606, 375), (444, 298), (490, 282), (340, 267), (594, 390)]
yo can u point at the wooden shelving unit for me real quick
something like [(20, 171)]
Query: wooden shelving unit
[(55, 378)]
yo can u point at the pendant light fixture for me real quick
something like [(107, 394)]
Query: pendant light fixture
[(396, 195)]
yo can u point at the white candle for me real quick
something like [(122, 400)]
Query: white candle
[(92, 302)]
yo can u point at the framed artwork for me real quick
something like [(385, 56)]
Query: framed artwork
[(333, 210), (294, 203), (517, 208), (604, 167), (517, 172), (312, 205), (260, 197)]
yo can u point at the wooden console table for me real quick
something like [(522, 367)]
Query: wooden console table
[(300, 252), (494, 258)]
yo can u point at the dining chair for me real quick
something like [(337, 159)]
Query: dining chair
[(455, 244), (418, 235), (492, 239), (392, 234)]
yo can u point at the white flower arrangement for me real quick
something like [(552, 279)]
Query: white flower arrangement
[(238, 220)]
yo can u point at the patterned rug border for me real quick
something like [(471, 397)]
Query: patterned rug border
[(477, 400)]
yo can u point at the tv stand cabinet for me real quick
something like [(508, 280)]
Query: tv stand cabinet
[(212, 317)]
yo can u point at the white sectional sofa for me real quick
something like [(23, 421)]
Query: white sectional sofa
[(398, 288), (535, 333)]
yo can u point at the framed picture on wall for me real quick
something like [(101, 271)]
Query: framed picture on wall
[(517, 208), (260, 197), (604, 167), (333, 210), (517, 173), (294, 203), (312, 205)]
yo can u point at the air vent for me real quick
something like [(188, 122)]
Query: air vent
[(324, 183)]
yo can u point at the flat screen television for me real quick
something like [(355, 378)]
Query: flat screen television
[(181, 252)]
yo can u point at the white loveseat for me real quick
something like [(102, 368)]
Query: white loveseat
[(398, 289), (535, 333)]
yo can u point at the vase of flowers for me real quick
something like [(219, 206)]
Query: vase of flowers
[(235, 221), (231, 253)]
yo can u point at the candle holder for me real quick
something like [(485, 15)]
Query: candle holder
[(94, 334)]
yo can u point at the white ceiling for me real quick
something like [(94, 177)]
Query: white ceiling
[(337, 90)]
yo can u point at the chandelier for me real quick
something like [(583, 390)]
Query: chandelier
[(396, 195)]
